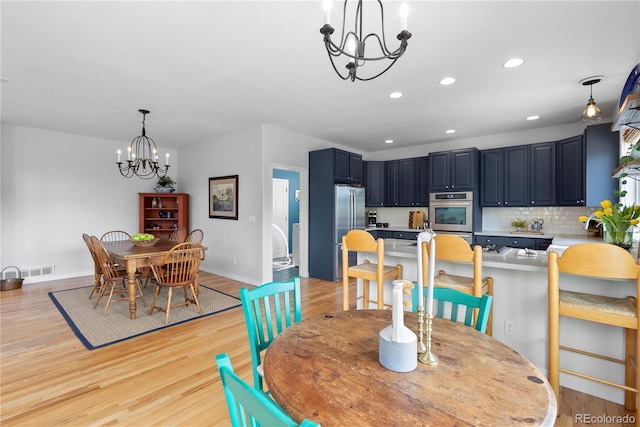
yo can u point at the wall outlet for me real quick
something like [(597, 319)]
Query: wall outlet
[(24, 264), (235, 261), (509, 327)]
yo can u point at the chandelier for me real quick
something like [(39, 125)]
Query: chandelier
[(142, 157), (352, 43), (592, 113)]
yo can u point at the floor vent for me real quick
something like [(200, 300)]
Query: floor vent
[(28, 272)]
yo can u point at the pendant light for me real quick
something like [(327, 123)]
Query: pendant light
[(592, 113)]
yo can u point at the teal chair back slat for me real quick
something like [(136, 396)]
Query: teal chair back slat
[(268, 311), (458, 299), (248, 406)]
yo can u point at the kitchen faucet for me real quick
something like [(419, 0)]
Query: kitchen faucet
[(591, 217)]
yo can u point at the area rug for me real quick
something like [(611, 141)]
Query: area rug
[(95, 330)]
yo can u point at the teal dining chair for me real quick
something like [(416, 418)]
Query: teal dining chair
[(248, 406), (457, 299), (269, 309)]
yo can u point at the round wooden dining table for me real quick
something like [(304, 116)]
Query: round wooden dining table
[(326, 368)]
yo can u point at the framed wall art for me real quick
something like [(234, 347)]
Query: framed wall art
[(223, 197)]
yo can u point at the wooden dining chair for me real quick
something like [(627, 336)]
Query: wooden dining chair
[(602, 261), (268, 310), (195, 236), (363, 241), (450, 302), (453, 248), (248, 406), (178, 269), (97, 271), (112, 277), (179, 235), (115, 236)]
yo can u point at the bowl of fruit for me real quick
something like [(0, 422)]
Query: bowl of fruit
[(143, 239)]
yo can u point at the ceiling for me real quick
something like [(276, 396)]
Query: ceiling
[(209, 68)]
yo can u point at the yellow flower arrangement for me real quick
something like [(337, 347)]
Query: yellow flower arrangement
[(617, 220)]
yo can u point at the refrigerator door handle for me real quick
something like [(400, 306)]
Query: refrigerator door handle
[(353, 210)]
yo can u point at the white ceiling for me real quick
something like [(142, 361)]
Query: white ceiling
[(209, 68)]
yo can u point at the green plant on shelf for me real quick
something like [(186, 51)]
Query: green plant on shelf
[(519, 224), (165, 181)]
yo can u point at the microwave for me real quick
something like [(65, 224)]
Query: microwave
[(451, 211)]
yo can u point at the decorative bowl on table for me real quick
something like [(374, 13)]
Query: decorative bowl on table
[(144, 243)]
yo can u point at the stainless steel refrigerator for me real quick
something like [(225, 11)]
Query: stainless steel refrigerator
[(349, 215)]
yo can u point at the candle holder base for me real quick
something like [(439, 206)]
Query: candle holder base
[(428, 358)]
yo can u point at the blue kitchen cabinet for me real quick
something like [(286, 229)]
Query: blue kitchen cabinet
[(374, 186), (456, 170)]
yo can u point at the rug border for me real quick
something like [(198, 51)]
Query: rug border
[(90, 346)]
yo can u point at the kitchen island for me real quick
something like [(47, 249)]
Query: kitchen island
[(520, 297)]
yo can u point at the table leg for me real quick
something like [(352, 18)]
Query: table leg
[(131, 273)]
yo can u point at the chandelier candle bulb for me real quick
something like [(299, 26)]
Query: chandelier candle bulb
[(404, 13), (129, 153), (326, 6), (119, 152), (166, 163)]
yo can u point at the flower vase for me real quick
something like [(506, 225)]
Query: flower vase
[(618, 234)]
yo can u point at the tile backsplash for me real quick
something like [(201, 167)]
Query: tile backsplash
[(557, 219)]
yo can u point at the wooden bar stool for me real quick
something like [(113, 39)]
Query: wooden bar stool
[(363, 241), (456, 249), (604, 261)]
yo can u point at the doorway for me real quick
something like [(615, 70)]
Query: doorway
[(285, 218)]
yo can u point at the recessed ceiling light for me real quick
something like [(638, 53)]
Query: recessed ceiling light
[(395, 95), (447, 81), (388, 141), (513, 62), (533, 117), (450, 131)]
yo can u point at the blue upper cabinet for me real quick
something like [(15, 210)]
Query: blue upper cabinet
[(542, 170), (585, 164), (348, 167), (456, 170), (374, 183), (491, 177), (504, 177), (570, 172)]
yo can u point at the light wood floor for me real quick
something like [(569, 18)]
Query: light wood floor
[(165, 378)]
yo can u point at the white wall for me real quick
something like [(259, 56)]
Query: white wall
[(56, 186), (236, 154)]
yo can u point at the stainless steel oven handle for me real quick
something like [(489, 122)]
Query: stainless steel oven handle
[(450, 204)]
